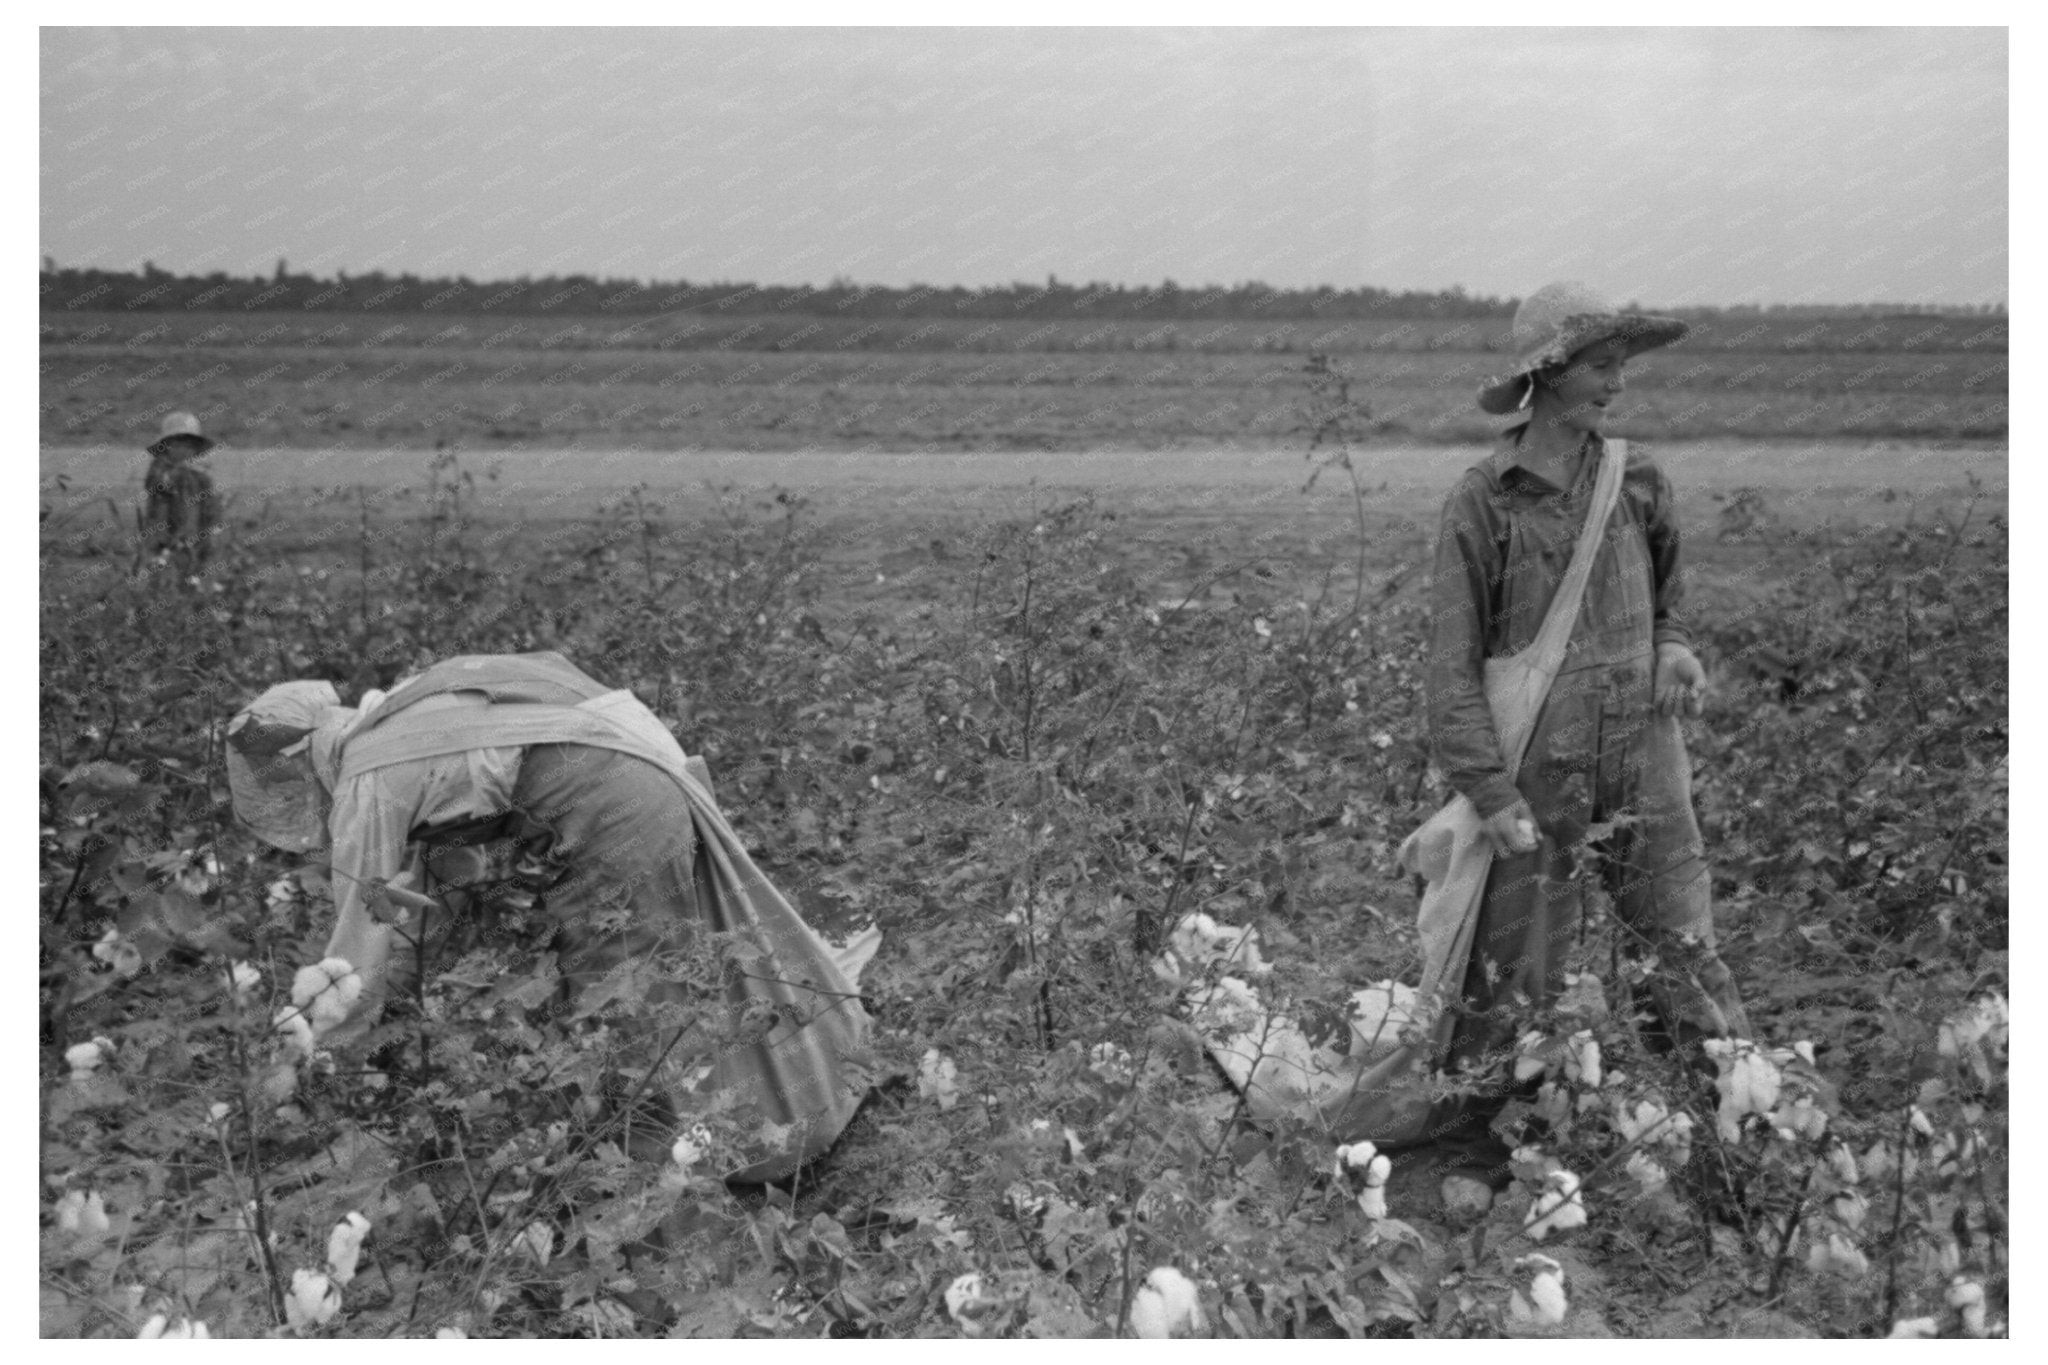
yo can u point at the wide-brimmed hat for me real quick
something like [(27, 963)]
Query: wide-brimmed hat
[(1558, 321), (270, 762), (180, 424)]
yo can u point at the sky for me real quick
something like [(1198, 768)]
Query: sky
[(1666, 165)]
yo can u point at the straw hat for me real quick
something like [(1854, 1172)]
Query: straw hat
[(180, 424), (1561, 319)]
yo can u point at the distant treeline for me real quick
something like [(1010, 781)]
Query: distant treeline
[(153, 290)]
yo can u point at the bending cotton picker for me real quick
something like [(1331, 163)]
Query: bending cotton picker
[(538, 807)]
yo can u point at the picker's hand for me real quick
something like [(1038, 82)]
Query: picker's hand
[(1512, 831), (1681, 683)]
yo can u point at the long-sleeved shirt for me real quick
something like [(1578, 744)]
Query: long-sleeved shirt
[(1506, 537), (374, 815)]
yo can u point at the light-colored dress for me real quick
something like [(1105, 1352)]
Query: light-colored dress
[(647, 895)]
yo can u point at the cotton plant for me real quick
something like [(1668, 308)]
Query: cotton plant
[(1778, 1085), (1538, 1298), (312, 1301), (83, 1214), (1364, 1170), (1837, 1254), (1111, 1062), (345, 1246), (1976, 1034), (1656, 1128), (117, 952), (1650, 1176), (326, 991), (937, 1079), (1166, 1306), (295, 1032), (973, 1307), (161, 1328), (1558, 1207), (1198, 945), (690, 1148), (1966, 1297), (85, 1059)]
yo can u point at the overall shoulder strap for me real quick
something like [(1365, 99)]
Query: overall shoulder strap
[(1571, 590)]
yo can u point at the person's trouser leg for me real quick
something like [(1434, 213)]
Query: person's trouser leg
[(1662, 896), (1528, 920)]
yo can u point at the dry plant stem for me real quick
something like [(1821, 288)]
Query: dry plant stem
[(272, 1276), (1148, 935), (1783, 1260), (1891, 1273)]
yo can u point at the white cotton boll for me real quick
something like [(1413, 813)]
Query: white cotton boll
[(83, 1213), (1918, 1121), (1749, 1083), (1544, 1302), (1632, 1123), (1850, 1209), (1966, 1296), (450, 1334), (1111, 1062), (1529, 1063), (1949, 1256), (312, 1302), (88, 1057), (936, 1079), (1842, 1162), (691, 1148), (1839, 1255), (161, 1328), (1802, 1118), (296, 1029), (219, 1110), (1582, 1061), (536, 1243), (318, 978), (1200, 942), (345, 1245), (962, 1296), (1644, 1170), (1677, 1138), (1553, 1105), (1558, 1208), (1356, 1156), (1166, 1306), (245, 978), (117, 952), (1915, 1329), (327, 992), (1365, 1170)]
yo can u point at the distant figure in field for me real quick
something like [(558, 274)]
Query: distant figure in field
[(181, 508)]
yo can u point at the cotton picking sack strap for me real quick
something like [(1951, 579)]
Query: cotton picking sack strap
[(1390, 1101)]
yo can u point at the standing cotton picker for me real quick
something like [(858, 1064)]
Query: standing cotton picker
[(180, 510), (523, 762), (1558, 668)]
